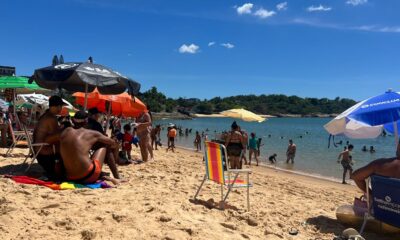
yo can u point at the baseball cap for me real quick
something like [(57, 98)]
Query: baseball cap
[(80, 116), (56, 101)]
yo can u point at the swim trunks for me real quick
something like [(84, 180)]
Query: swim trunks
[(91, 175)]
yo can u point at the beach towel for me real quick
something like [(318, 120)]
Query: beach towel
[(58, 186)]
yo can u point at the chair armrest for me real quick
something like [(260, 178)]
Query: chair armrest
[(39, 144), (240, 170)]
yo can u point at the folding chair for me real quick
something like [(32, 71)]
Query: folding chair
[(385, 202), (217, 170), (32, 152), (17, 137)]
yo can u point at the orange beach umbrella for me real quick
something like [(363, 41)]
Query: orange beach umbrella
[(121, 104)]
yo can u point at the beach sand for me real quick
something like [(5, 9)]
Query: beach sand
[(156, 203)]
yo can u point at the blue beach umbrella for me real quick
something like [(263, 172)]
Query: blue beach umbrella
[(368, 118), (383, 109)]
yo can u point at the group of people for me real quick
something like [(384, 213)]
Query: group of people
[(77, 148)]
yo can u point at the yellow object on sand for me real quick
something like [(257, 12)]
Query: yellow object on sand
[(66, 185), (243, 114), (346, 215)]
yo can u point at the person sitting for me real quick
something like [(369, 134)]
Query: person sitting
[(3, 129), (272, 158), (386, 167), (93, 121), (74, 148), (371, 149), (48, 131)]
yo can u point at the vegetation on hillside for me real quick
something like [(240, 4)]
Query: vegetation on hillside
[(274, 104)]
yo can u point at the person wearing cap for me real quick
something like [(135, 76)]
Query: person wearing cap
[(93, 120), (47, 131), (143, 129)]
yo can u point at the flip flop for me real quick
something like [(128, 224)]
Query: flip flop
[(293, 231)]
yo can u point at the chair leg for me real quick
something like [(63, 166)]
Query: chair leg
[(364, 223), (248, 192), (201, 185), (222, 204), (33, 159), (230, 186)]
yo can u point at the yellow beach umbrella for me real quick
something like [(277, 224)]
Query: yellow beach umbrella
[(243, 114)]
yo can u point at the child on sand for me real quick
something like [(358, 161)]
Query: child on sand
[(127, 141), (272, 158)]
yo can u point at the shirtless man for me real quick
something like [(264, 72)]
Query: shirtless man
[(48, 131), (291, 151), (74, 148), (143, 132), (346, 162), (387, 167)]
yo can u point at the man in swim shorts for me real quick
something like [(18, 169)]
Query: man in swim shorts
[(48, 131), (291, 151), (346, 162), (74, 148)]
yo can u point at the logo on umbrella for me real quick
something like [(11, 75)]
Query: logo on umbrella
[(65, 66), (388, 199)]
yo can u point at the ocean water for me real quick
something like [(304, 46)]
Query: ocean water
[(313, 155)]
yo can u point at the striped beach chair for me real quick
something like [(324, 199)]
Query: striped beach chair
[(217, 170)]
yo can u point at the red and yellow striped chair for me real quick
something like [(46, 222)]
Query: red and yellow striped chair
[(217, 170)]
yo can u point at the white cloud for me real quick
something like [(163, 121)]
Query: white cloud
[(281, 6), (228, 45), (263, 13), (319, 8), (192, 48), (245, 8), (356, 2), (211, 43)]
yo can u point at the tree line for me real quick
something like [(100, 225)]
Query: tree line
[(273, 104)]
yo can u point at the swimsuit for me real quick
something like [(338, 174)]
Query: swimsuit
[(91, 175), (234, 149)]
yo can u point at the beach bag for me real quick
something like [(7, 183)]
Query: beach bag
[(360, 206)]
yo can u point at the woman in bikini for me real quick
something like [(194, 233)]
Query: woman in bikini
[(235, 145)]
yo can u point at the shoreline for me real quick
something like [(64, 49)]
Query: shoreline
[(217, 115), (287, 171)]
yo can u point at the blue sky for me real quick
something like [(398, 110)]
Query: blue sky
[(208, 48)]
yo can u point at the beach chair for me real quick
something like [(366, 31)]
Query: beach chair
[(217, 170), (18, 138), (384, 202)]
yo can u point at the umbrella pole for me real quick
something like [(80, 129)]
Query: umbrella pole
[(14, 96), (396, 133), (86, 96), (108, 116)]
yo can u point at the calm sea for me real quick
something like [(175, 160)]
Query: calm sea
[(313, 155)]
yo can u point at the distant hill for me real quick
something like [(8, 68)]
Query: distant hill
[(275, 104)]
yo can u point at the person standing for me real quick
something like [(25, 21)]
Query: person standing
[(346, 161), (235, 145), (171, 137), (253, 147), (291, 151), (155, 136), (143, 129), (197, 141)]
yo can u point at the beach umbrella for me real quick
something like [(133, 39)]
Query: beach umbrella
[(121, 104), (34, 100), (243, 114), (21, 84), (4, 105), (84, 77), (379, 112), (343, 125)]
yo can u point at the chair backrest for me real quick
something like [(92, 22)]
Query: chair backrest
[(10, 128), (386, 199), (214, 156)]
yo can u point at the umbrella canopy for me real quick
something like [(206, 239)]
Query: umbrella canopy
[(343, 125), (20, 83), (121, 104), (4, 105), (243, 114), (32, 100), (84, 77)]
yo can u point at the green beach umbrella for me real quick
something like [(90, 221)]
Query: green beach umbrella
[(17, 82)]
